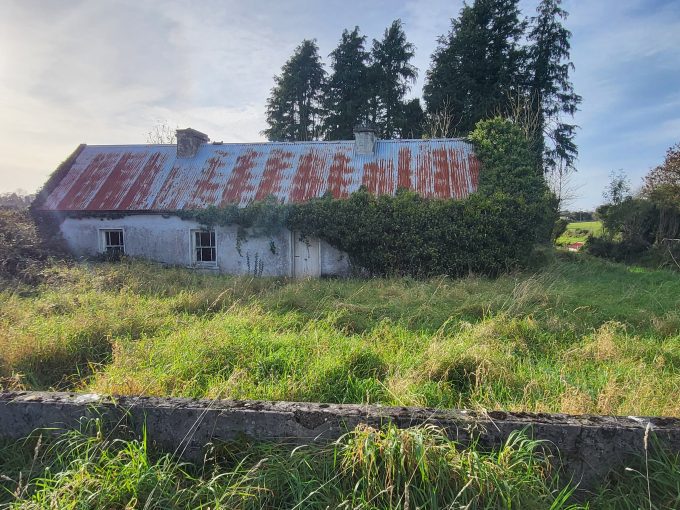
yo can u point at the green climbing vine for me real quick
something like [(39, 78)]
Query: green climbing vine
[(489, 232)]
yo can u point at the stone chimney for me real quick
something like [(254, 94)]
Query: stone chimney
[(188, 142), (364, 139)]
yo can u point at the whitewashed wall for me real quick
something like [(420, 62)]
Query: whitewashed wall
[(167, 239)]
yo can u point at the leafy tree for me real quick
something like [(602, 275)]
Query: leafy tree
[(618, 188), (477, 64), (347, 90), (294, 107), (662, 187), (551, 90), (662, 184), (390, 78)]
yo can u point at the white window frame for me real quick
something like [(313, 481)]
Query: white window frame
[(194, 247), (103, 245)]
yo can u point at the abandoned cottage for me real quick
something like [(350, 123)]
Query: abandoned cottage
[(126, 198)]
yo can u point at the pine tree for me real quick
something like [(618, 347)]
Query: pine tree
[(390, 77), (551, 90), (412, 120), (347, 90), (294, 106), (477, 64)]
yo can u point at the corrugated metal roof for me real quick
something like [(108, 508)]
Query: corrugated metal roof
[(152, 178)]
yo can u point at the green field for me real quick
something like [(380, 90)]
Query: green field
[(579, 336), (579, 231)]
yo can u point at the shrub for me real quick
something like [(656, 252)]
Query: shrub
[(408, 234), (22, 253), (627, 250)]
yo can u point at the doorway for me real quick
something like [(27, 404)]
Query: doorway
[(306, 257)]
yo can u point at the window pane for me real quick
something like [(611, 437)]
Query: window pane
[(113, 242), (204, 246)]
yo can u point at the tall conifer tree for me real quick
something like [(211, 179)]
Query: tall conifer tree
[(552, 93), (347, 90), (294, 106), (477, 64), (391, 76), (413, 120)]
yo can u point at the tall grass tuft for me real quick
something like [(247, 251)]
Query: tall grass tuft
[(420, 467)]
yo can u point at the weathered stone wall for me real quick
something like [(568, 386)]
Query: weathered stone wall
[(590, 446)]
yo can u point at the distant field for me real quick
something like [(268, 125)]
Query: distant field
[(579, 336), (579, 232)]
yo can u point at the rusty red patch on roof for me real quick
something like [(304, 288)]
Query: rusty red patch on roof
[(308, 179), (404, 169), (91, 180), (270, 184), (239, 181), (117, 182), (148, 177), (138, 194), (208, 183), (379, 178), (473, 170), (340, 175), (441, 177)]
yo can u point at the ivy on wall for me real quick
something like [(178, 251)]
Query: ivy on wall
[(489, 232)]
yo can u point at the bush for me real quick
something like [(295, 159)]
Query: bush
[(628, 250), (634, 232), (22, 253), (633, 219), (408, 234)]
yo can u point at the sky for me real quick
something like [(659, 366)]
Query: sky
[(105, 72)]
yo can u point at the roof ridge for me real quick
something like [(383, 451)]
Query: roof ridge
[(324, 142)]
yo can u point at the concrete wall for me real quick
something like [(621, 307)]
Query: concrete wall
[(167, 239), (590, 446)]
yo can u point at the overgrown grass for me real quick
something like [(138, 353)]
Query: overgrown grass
[(367, 469), (581, 336), (579, 231)]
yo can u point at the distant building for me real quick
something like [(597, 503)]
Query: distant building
[(125, 198), (575, 246)]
